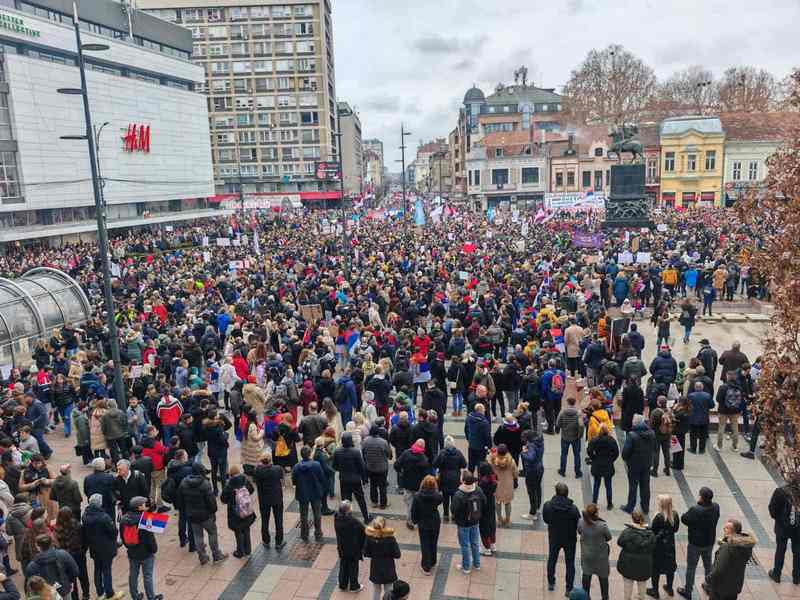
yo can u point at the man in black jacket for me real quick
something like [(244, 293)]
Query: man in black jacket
[(55, 566), (412, 467), (269, 482), (128, 484), (103, 483), (376, 453), (787, 527), (142, 548), (350, 537), (637, 452), (99, 534), (352, 473), (178, 469), (197, 495), (701, 521), (561, 516), (435, 399)]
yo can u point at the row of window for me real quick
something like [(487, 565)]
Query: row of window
[(223, 103), (509, 108), (268, 170), (267, 136), (259, 84), (235, 13), (96, 28), (690, 163), (242, 67), (254, 30), (266, 119), (245, 155), (256, 48), (528, 176), (752, 170), (589, 179)]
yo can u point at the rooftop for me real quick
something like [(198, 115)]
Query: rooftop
[(759, 127), (519, 95), (681, 125)]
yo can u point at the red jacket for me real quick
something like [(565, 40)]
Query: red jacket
[(156, 453), (169, 411), (242, 368)]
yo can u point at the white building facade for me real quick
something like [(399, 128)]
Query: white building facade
[(154, 147)]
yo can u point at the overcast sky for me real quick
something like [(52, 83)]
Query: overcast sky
[(412, 61)]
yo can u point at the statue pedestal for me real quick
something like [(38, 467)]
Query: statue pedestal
[(627, 204)]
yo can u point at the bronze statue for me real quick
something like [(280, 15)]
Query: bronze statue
[(624, 142), (521, 73)]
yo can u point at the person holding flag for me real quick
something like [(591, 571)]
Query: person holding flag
[(142, 547)]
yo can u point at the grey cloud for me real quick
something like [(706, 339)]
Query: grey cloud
[(464, 63), (437, 44), (574, 7), (381, 104)]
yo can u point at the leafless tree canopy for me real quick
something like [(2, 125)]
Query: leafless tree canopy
[(747, 89), (610, 86), (691, 91)]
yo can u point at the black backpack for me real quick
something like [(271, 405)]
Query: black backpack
[(474, 508), (733, 398), (168, 490), (339, 394)]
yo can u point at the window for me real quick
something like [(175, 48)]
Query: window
[(560, 179), (304, 29), (652, 169), (242, 103), (238, 13), (266, 120), (309, 117), (220, 67), (669, 162), (308, 100), (283, 47), (308, 84), (240, 32), (586, 180), (737, 170), (571, 178), (242, 66), (476, 178), (287, 101), (691, 162), (223, 103), (305, 47), (239, 49), (288, 169), (598, 152), (219, 31), (214, 14), (312, 152), (247, 137), (244, 120), (9, 179), (598, 180), (284, 65), (289, 135), (266, 136), (530, 175), (304, 10), (498, 152), (259, 12), (288, 153), (306, 64), (260, 48), (265, 101), (711, 160), (469, 174), (217, 49), (264, 84), (752, 172), (287, 118), (281, 12), (269, 154), (309, 136), (267, 170), (499, 176), (285, 83)]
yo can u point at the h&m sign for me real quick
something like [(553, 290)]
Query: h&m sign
[(136, 138)]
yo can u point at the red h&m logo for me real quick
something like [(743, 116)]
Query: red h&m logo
[(137, 138)]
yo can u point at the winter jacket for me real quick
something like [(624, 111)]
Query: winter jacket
[(506, 471), (197, 495), (449, 463), (595, 551), (114, 424), (632, 403), (349, 462), (637, 451), (350, 535), (561, 516), (603, 450), (731, 360), (125, 491), (101, 483), (400, 438), (478, 431), (730, 562), (228, 496), (425, 509), (736, 393), (309, 481), (80, 422), (376, 452), (701, 403), (533, 458), (633, 367), (311, 427), (701, 524), (786, 516), (569, 422), (708, 358), (510, 434), (380, 387), (664, 369), (636, 556), (99, 533), (269, 483), (412, 466), (178, 471), (55, 566), (17, 524), (381, 546), (430, 433), (664, 558), (66, 492), (596, 419), (147, 545), (460, 505)]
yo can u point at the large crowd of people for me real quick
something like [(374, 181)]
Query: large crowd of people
[(256, 372)]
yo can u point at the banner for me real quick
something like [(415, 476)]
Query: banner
[(582, 239), (560, 200)]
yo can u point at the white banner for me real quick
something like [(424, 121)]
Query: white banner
[(559, 200)]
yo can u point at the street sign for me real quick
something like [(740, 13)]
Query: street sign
[(328, 171)]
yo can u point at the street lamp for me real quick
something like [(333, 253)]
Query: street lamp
[(338, 135), (403, 134), (92, 138)]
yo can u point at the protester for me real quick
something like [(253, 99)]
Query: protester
[(603, 451), (726, 578), (449, 464), (54, 565), (701, 524), (349, 463), (310, 487), (637, 452), (100, 533), (238, 495), (785, 513), (142, 548), (382, 549), (197, 495), (478, 431), (664, 527), (268, 479), (561, 516), (505, 470), (595, 535), (425, 515), (533, 470), (570, 423), (350, 540), (635, 562), (468, 505)]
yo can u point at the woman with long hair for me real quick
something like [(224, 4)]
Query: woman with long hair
[(67, 536), (595, 536), (253, 440), (425, 514), (381, 546), (487, 482), (603, 450), (664, 526), (39, 589)]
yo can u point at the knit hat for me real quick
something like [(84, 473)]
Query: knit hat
[(137, 501)]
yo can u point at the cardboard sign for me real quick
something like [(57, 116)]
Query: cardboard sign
[(223, 242), (642, 258), (662, 227), (311, 312)]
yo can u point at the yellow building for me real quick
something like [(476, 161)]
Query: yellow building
[(692, 161)]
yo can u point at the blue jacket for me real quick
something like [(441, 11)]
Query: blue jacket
[(309, 481), (478, 431), (37, 415), (701, 403), (532, 458), (664, 369), (546, 392), (350, 391), (223, 320), (620, 288)]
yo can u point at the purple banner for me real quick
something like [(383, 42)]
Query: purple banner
[(582, 239)]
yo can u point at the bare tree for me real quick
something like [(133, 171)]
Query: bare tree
[(610, 86), (782, 102), (747, 89), (691, 91)]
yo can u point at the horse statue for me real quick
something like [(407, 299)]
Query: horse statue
[(623, 142)]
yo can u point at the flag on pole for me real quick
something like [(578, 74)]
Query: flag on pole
[(256, 243)]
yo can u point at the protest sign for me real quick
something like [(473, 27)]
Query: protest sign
[(223, 242), (311, 312), (582, 239), (643, 258), (625, 258)]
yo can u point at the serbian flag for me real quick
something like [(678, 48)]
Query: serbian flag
[(153, 522)]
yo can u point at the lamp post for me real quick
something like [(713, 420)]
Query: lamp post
[(100, 207), (403, 134), (338, 135)]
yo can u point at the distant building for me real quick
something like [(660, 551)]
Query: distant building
[(441, 174), (691, 161), (422, 174), (352, 151), (651, 145), (510, 108), (374, 167), (581, 162)]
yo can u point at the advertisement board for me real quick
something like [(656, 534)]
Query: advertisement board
[(328, 171)]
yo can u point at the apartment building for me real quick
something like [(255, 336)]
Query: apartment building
[(270, 87), (352, 150)]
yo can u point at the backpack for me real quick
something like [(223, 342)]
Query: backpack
[(130, 534), (733, 398), (339, 394), (168, 490), (557, 383), (243, 503), (665, 427), (281, 448), (474, 508), (274, 374)]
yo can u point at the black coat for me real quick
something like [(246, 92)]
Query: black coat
[(101, 483), (701, 523), (350, 535), (664, 559), (400, 438), (511, 437), (99, 533), (780, 509), (197, 496), (561, 516), (636, 557), (632, 403), (730, 562), (269, 483), (449, 464), (425, 510), (349, 462), (381, 546), (128, 490), (228, 496), (423, 430), (178, 472), (603, 450), (638, 449), (413, 467)]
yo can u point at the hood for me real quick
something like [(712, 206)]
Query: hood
[(743, 541), (561, 503), (386, 532), (347, 440), (308, 386), (665, 353), (502, 462), (467, 488), (194, 480), (476, 417)]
